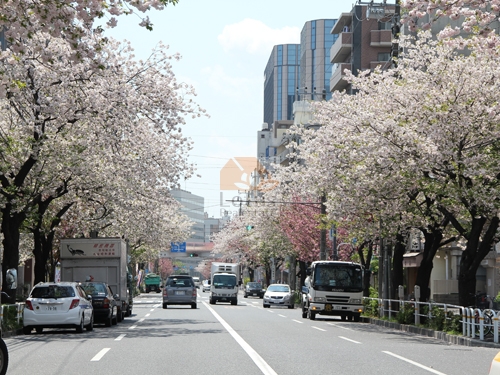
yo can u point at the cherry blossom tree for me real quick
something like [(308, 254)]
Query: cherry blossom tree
[(69, 21), (111, 137), (427, 129)]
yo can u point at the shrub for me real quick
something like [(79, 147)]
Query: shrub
[(406, 313), (371, 305), (437, 319), (9, 321)]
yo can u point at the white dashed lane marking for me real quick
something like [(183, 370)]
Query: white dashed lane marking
[(99, 355)]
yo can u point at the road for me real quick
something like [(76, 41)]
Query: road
[(245, 339)]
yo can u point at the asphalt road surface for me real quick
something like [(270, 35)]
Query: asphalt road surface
[(245, 340)]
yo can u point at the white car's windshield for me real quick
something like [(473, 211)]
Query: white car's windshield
[(278, 288)]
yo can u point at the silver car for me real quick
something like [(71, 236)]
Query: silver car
[(179, 290), (278, 295)]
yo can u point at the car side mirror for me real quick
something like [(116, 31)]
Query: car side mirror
[(116, 296), (89, 297)]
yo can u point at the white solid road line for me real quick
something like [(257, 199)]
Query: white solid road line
[(120, 337), (99, 355), (415, 363), (345, 338), (258, 360)]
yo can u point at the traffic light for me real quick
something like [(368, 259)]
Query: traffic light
[(249, 227), (193, 255)]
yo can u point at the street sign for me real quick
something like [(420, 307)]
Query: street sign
[(177, 247)]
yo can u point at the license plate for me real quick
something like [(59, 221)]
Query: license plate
[(255, 294), (329, 307), (51, 308), (179, 293)]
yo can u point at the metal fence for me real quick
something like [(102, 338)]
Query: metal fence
[(475, 322)]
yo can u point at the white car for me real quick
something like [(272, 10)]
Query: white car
[(58, 305), (197, 281), (206, 286), (278, 295)]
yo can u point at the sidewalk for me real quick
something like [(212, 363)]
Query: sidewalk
[(446, 337)]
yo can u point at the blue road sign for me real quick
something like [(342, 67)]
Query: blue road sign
[(177, 247)]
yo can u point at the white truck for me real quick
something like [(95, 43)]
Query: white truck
[(333, 288), (99, 259), (224, 282)]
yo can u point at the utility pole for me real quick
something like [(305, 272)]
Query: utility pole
[(322, 238)]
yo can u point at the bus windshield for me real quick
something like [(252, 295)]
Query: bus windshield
[(338, 277)]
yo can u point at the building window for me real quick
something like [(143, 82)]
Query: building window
[(384, 25), (384, 56), (263, 136)]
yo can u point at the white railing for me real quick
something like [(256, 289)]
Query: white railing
[(476, 323)]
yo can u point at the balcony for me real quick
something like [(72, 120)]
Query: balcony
[(342, 47), (380, 38), (337, 82)]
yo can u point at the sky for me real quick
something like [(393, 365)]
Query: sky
[(225, 46)]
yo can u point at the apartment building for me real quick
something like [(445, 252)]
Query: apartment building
[(364, 42)]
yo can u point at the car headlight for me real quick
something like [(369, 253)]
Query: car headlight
[(355, 301), (319, 299)]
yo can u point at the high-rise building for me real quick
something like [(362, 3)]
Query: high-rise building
[(294, 72), (193, 206), (281, 79), (316, 40)]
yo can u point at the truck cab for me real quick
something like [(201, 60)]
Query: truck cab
[(333, 288)]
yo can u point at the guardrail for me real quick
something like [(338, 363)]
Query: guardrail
[(476, 323)]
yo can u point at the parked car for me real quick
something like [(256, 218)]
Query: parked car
[(254, 289), (206, 286), (179, 290), (278, 295), (58, 305), (104, 302)]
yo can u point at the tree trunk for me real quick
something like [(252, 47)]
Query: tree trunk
[(302, 273), (479, 244), (11, 223), (397, 266), (365, 263), (432, 244)]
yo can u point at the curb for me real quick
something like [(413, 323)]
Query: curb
[(438, 335)]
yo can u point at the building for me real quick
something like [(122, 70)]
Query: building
[(293, 73), (281, 78), (316, 40), (363, 43), (193, 206)]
